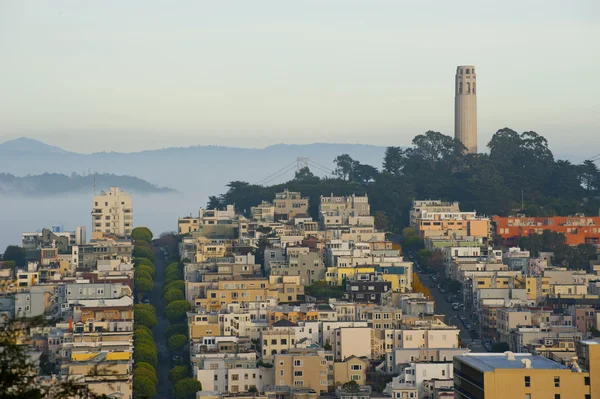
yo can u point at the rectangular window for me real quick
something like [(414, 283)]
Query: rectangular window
[(527, 381), (556, 382), (297, 373), (298, 363), (356, 367), (586, 380), (556, 396)]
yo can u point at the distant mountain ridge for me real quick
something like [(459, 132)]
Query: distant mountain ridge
[(200, 170), (55, 183), (30, 146)]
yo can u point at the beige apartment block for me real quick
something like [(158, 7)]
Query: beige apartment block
[(288, 204), (188, 225), (465, 107), (352, 341), (307, 370), (265, 212), (112, 213), (277, 341)]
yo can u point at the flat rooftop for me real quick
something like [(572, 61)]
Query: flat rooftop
[(492, 361)]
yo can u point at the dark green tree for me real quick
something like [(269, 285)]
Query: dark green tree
[(351, 386), (176, 342), (16, 254), (146, 373), (186, 388), (145, 318), (178, 373), (304, 174), (143, 285), (142, 234), (176, 311), (143, 387), (143, 251), (173, 295), (178, 285), (181, 328), (146, 354), (500, 347), (381, 221)]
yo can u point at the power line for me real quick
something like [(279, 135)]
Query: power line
[(289, 169), (320, 169), (318, 165), (287, 166)]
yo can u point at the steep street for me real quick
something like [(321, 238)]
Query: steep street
[(164, 364)]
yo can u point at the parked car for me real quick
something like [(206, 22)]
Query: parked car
[(443, 291)]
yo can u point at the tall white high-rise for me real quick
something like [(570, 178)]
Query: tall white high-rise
[(465, 107), (112, 213)]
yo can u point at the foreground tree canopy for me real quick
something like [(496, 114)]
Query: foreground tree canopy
[(518, 166), (142, 234)]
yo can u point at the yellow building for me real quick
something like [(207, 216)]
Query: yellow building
[(336, 275), (188, 225), (518, 375), (294, 315), (244, 290), (287, 289), (352, 369), (537, 287), (203, 325), (225, 292), (306, 370), (399, 277)]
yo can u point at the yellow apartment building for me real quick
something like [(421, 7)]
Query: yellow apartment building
[(519, 375), (305, 370), (289, 204), (352, 369), (287, 289), (537, 287), (293, 315), (203, 325), (188, 225), (225, 292)]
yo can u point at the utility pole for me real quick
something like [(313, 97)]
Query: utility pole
[(522, 200)]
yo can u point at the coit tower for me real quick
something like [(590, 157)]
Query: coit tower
[(465, 107)]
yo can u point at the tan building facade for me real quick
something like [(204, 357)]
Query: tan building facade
[(307, 370), (112, 213)]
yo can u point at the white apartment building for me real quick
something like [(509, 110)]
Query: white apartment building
[(416, 374), (112, 213)]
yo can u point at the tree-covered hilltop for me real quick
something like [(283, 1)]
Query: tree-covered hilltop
[(56, 183), (520, 168)]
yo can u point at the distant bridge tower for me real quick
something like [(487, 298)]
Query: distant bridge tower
[(301, 162), (465, 107)]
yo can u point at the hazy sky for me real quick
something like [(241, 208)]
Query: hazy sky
[(127, 75)]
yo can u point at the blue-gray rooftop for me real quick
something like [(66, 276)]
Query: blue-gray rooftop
[(492, 361)]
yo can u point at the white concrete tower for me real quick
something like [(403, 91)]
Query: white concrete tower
[(465, 107)]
